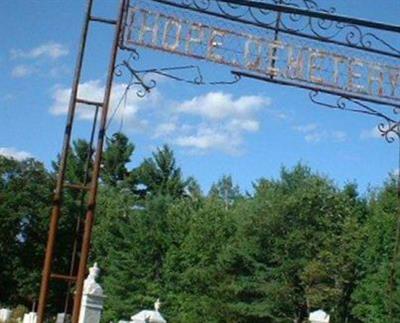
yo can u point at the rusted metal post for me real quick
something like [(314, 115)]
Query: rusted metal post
[(55, 214), (81, 211), (96, 168)]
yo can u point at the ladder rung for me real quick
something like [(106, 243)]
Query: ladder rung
[(88, 102), (63, 277), (77, 186), (103, 20)]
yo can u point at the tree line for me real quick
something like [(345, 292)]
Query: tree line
[(290, 246)]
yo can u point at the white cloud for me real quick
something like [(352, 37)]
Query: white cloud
[(14, 153), (370, 133), (314, 134), (21, 71), (203, 140), (196, 125), (128, 110), (48, 50), (211, 138), (313, 137), (165, 129), (306, 128), (338, 136), (59, 70), (249, 125), (219, 105), (222, 121)]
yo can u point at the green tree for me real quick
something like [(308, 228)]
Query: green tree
[(117, 154), (225, 190), (25, 200), (77, 163), (192, 272), (160, 174), (132, 250), (373, 298)]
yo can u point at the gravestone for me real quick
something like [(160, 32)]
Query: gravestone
[(148, 316), (319, 317), (30, 318), (92, 298), (5, 314), (63, 318)]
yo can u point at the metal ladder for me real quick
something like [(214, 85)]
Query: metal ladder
[(78, 276)]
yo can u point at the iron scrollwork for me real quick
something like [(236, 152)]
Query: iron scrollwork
[(145, 80), (389, 127), (321, 29)]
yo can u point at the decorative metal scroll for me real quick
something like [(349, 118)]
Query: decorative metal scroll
[(389, 127), (145, 79), (289, 42), (349, 72), (295, 20)]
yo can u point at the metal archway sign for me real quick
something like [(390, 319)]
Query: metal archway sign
[(355, 62), (254, 49)]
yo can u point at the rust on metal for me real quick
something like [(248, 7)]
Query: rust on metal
[(77, 186), (61, 184), (55, 215), (89, 219), (89, 102), (103, 20), (63, 277), (263, 54)]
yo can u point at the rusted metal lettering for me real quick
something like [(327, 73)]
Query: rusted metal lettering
[(354, 75), (337, 61), (375, 77), (215, 41), (172, 31), (394, 76), (149, 28), (295, 63), (195, 37), (315, 67), (252, 53), (279, 59)]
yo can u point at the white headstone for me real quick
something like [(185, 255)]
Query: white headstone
[(63, 318), (92, 298), (147, 316), (30, 318), (319, 317), (5, 314)]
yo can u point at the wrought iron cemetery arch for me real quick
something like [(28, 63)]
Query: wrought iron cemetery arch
[(346, 63)]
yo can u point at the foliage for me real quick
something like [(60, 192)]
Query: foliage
[(160, 174), (293, 245), (117, 154), (25, 199), (18, 314)]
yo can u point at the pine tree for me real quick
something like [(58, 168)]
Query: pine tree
[(132, 252), (374, 300), (116, 156), (160, 174)]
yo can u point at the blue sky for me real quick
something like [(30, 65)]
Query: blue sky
[(248, 130)]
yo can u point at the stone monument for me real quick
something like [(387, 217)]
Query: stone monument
[(92, 298), (30, 317), (319, 317), (5, 314), (63, 318), (147, 316)]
